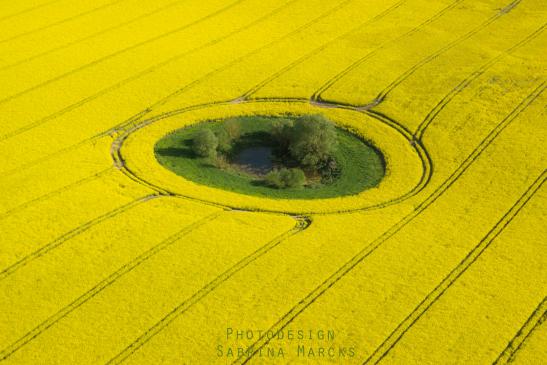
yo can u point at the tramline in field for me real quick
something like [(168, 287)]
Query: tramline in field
[(109, 256)]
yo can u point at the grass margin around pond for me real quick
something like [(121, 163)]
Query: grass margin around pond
[(362, 165)]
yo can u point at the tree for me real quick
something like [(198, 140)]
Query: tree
[(281, 132), (205, 143), (313, 140), (329, 170)]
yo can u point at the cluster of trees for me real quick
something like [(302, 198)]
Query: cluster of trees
[(309, 141), (209, 144)]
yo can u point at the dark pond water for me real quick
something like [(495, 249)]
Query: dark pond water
[(256, 160)]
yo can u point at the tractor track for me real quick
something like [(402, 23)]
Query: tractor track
[(151, 69), (304, 303), (418, 134), (432, 297), (105, 283), (369, 249), (90, 36), (134, 122), (536, 319), (50, 194), (302, 223), (119, 161), (316, 96), (135, 119), (71, 234), (119, 164), (318, 50), (28, 10), (62, 21), (384, 93), (122, 51)]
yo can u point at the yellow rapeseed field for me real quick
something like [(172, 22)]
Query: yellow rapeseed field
[(107, 257)]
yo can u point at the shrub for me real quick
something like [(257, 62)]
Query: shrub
[(286, 178), (273, 179), (205, 143), (224, 141), (313, 140), (293, 177), (220, 161), (232, 127)]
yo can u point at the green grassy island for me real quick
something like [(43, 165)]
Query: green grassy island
[(289, 157)]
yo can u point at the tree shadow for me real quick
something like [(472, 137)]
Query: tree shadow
[(176, 152), (260, 183), (253, 139)]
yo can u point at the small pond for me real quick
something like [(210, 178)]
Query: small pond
[(255, 160)]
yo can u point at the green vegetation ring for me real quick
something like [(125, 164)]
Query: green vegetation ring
[(405, 162)]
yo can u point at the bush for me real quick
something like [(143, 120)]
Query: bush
[(205, 143), (293, 177), (232, 127), (313, 140), (224, 141), (220, 161), (273, 179), (286, 178)]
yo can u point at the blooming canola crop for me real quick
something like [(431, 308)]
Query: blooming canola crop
[(108, 257)]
